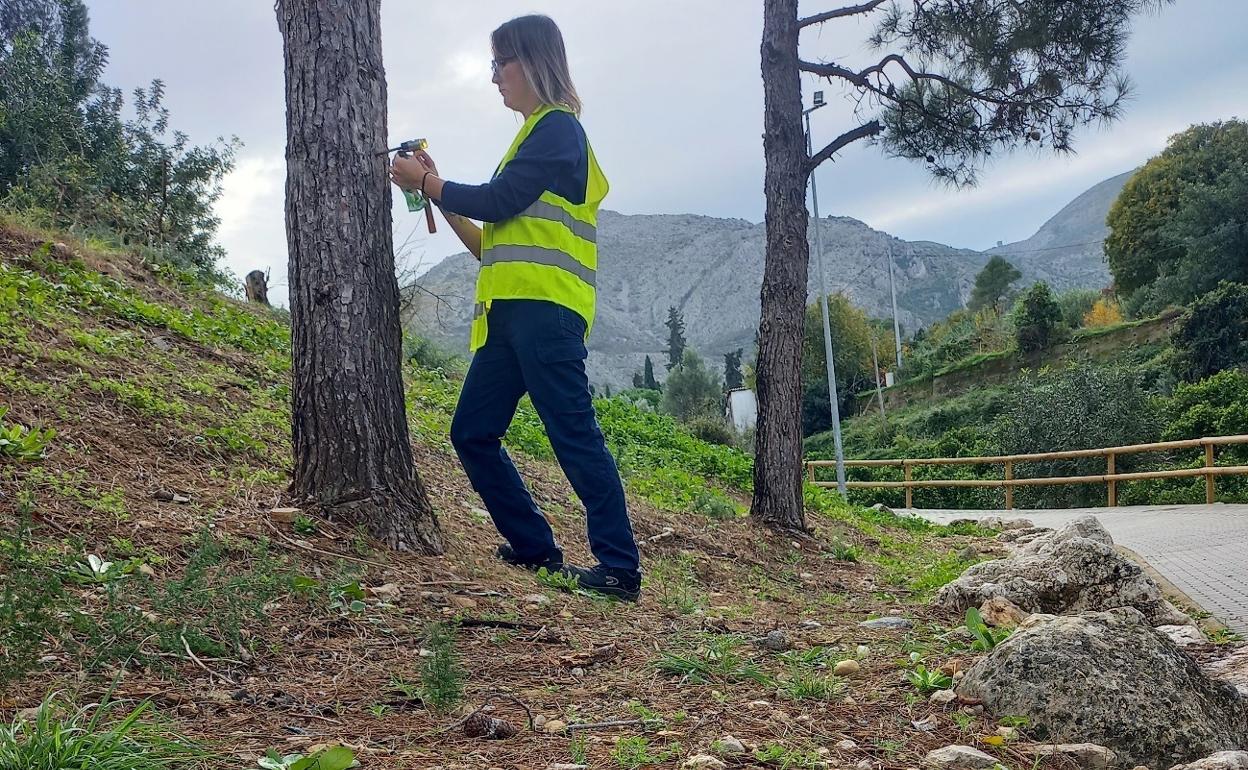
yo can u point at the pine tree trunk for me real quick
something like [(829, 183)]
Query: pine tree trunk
[(778, 449), (353, 457)]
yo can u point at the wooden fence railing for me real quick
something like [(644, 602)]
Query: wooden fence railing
[(1110, 478)]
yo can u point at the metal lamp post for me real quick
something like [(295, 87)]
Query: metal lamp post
[(823, 307)]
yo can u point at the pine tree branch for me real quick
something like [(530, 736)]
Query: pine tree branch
[(830, 70), (851, 10), (917, 75), (839, 143)]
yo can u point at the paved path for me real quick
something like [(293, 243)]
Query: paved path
[(1201, 549)]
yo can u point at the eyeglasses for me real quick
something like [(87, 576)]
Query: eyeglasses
[(498, 64)]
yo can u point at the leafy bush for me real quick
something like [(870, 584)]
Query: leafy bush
[(1217, 406), (714, 504), (1076, 304), (963, 336), (1179, 225), (426, 354), (691, 390), (1105, 312), (713, 430), (642, 397), (68, 154), (1036, 318), (1083, 406), (1213, 334)]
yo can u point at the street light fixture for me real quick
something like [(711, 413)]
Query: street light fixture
[(823, 307)]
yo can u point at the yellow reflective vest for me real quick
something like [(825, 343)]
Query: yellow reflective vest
[(549, 251)]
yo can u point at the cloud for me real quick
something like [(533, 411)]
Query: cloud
[(674, 109), (253, 225)]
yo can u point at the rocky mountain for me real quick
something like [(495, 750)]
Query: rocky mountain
[(1069, 244), (711, 269)]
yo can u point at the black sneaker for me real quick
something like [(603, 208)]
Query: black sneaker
[(552, 563), (609, 581)]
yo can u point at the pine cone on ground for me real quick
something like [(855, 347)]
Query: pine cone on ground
[(480, 725)]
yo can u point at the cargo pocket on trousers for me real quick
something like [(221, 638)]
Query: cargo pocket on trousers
[(559, 351)]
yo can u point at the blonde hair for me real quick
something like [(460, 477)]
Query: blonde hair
[(535, 41)]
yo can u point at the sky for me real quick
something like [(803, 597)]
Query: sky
[(673, 108)]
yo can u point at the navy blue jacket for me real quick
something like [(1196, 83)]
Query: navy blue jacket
[(552, 157)]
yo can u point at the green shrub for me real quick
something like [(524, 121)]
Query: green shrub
[(1213, 334), (441, 676), (1216, 406), (1084, 406), (712, 429), (952, 343), (714, 504), (651, 397), (1036, 318), (32, 603), (691, 390), (216, 597), (1075, 304), (426, 354)]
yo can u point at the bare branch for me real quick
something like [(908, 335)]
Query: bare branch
[(839, 143), (860, 79), (916, 75), (829, 70), (851, 10)]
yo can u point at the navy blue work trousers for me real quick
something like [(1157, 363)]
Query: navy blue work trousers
[(538, 347)]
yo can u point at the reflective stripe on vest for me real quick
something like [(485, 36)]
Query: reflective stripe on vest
[(547, 252), (550, 212), (538, 256)]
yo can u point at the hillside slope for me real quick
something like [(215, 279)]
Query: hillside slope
[(250, 628)]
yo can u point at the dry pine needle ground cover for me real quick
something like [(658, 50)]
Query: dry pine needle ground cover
[(250, 627)]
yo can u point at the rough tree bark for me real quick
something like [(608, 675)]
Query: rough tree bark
[(256, 286), (1013, 74), (778, 471), (353, 457)]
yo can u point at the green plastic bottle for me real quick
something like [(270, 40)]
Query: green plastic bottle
[(415, 201)]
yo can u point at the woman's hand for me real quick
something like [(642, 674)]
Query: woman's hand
[(407, 172)]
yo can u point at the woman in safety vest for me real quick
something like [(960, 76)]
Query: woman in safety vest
[(533, 309)]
